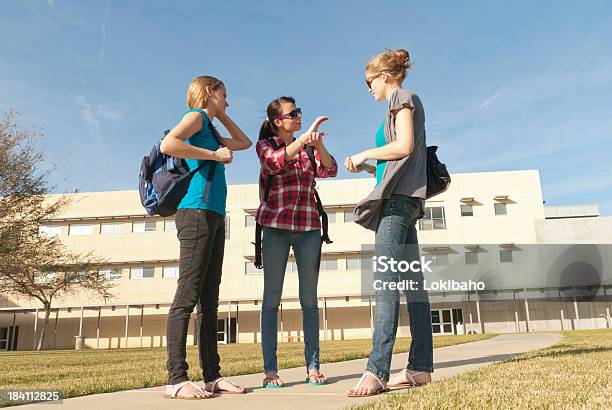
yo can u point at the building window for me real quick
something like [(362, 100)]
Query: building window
[(505, 255), (144, 226), (331, 217), (329, 264), (500, 209), (467, 210), (433, 218), (80, 229), (471, 258), (109, 228), (50, 230), (170, 272), (142, 273), (353, 263), (348, 216), (249, 220), (249, 268), (437, 258), (169, 225), (4, 338), (227, 227), (111, 274)]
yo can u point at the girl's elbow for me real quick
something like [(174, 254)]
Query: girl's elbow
[(166, 148), (406, 151), (163, 147)]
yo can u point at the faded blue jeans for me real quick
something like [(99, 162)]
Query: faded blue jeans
[(275, 252), (396, 237)]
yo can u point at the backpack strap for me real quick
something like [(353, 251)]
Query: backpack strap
[(324, 220), (257, 243), (213, 165), (269, 180), (258, 227)]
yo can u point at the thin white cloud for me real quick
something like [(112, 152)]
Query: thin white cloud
[(103, 40), (108, 112), (489, 101), (90, 119)]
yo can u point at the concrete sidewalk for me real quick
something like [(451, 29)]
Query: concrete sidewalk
[(342, 376)]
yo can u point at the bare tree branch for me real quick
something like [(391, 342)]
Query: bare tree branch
[(33, 265)]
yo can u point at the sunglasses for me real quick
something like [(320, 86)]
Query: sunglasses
[(374, 77), (291, 114)]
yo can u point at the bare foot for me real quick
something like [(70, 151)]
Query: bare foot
[(272, 379), (315, 376), (403, 378), (190, 391), (223, 385), (368, 385)]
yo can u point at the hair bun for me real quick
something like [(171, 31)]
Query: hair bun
[(403, 56)]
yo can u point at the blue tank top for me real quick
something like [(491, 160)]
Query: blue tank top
[(217, 196)]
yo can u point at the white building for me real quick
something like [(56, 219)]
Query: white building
[(491, 226)]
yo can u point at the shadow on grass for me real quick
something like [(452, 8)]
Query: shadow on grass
[(559, 351)]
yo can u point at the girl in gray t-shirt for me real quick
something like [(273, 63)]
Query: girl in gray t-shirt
[(391, 210)]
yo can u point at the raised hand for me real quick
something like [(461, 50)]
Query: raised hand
[(313, 136), (314, 139), (316, 123)]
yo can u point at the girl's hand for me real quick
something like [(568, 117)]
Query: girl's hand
[(358, 159), (316, 139), (224, 155), (316, 123), (313, 132), (348, 163)]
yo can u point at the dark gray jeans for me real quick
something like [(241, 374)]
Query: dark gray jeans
[(202, 239)]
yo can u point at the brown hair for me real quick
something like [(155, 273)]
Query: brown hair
[(268, 129), (197, 95), (393, 62)]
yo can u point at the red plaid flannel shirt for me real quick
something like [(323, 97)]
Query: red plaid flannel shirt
[(291, 201)]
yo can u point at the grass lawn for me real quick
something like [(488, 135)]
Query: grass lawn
[(574, 374), (84, 372)]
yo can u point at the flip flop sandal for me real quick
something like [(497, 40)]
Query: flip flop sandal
[(173, 389), (267, 385), (411, 381), (381, 389), (215, 390), (309, 380)]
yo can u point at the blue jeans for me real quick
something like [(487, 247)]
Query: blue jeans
[(396, 237), (275, 252)]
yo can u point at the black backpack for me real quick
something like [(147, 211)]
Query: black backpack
[(322, 214), (438, 178)]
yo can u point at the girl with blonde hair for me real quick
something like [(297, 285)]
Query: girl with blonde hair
[(200, 225), (391, 210)]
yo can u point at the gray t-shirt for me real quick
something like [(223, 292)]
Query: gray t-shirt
[(413, 179), (405, 176)]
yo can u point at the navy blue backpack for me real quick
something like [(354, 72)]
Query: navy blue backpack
[(164, 180)]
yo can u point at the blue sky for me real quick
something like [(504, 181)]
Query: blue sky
[(506, 86)]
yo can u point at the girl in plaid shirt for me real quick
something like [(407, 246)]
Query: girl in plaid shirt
[(289, 218)]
